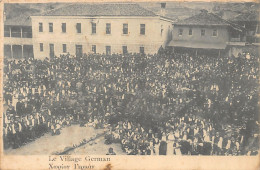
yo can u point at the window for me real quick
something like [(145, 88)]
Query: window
[(94, 48), (51, 50), (50, 27), (40, 27), (7, 51), (64, 48), (202, 32), (108, 50), (215, 33), (124, 49), (63, 27), (78, 27), (41, 46), (94, 28), (79, 51), (190, 31), (108, 28), (7, 31), (125, 28), (180, 32), (141, 50), (142, 29)]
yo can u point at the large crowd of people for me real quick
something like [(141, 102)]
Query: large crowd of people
[(166, 103)]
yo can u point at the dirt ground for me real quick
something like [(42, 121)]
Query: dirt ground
[(48, 144)]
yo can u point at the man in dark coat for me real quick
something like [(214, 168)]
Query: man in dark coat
[(20, 108)]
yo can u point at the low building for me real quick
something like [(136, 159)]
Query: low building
[(250, 21), (99, 28), (205, 33)]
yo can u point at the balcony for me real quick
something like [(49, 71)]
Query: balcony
[(17, 32)]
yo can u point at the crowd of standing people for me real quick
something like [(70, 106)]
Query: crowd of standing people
[(155, 104)]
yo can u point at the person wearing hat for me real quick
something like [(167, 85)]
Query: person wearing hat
[(7, 97), (32, 128), (25, 126), (156, 141), (215, 141), (15, 138), (20, 106), (11, 111), (20, 131)]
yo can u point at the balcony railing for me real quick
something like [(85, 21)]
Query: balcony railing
[(16, 34), (235, 40), (27, 34)]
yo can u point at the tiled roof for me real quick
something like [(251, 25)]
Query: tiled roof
[(18, 15), (208, 19), (109, 9), (250, 16), (204, 18)]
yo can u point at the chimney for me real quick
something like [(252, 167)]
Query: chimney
[(163, 6)]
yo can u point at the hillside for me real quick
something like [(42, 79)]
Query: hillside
[(175, 10)]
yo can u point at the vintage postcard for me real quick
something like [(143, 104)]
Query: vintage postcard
[(129, 85)]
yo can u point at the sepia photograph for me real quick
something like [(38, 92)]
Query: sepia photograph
[(130, 78)]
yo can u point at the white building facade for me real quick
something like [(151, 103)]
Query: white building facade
[(78, 34)]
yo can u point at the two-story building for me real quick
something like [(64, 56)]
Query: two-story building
[(205, 33), (99, 28), (18, 37)]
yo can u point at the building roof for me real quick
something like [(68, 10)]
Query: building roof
[(250, 16), (203, 18), (208, 19), (199, 45), (18, 15), (97, 9), (21, 20)]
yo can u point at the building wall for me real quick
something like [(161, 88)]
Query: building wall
[(222, 34), (152, 40)]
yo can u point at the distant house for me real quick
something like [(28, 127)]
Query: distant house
[(99, 28), (250, 21), (206, 32)]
